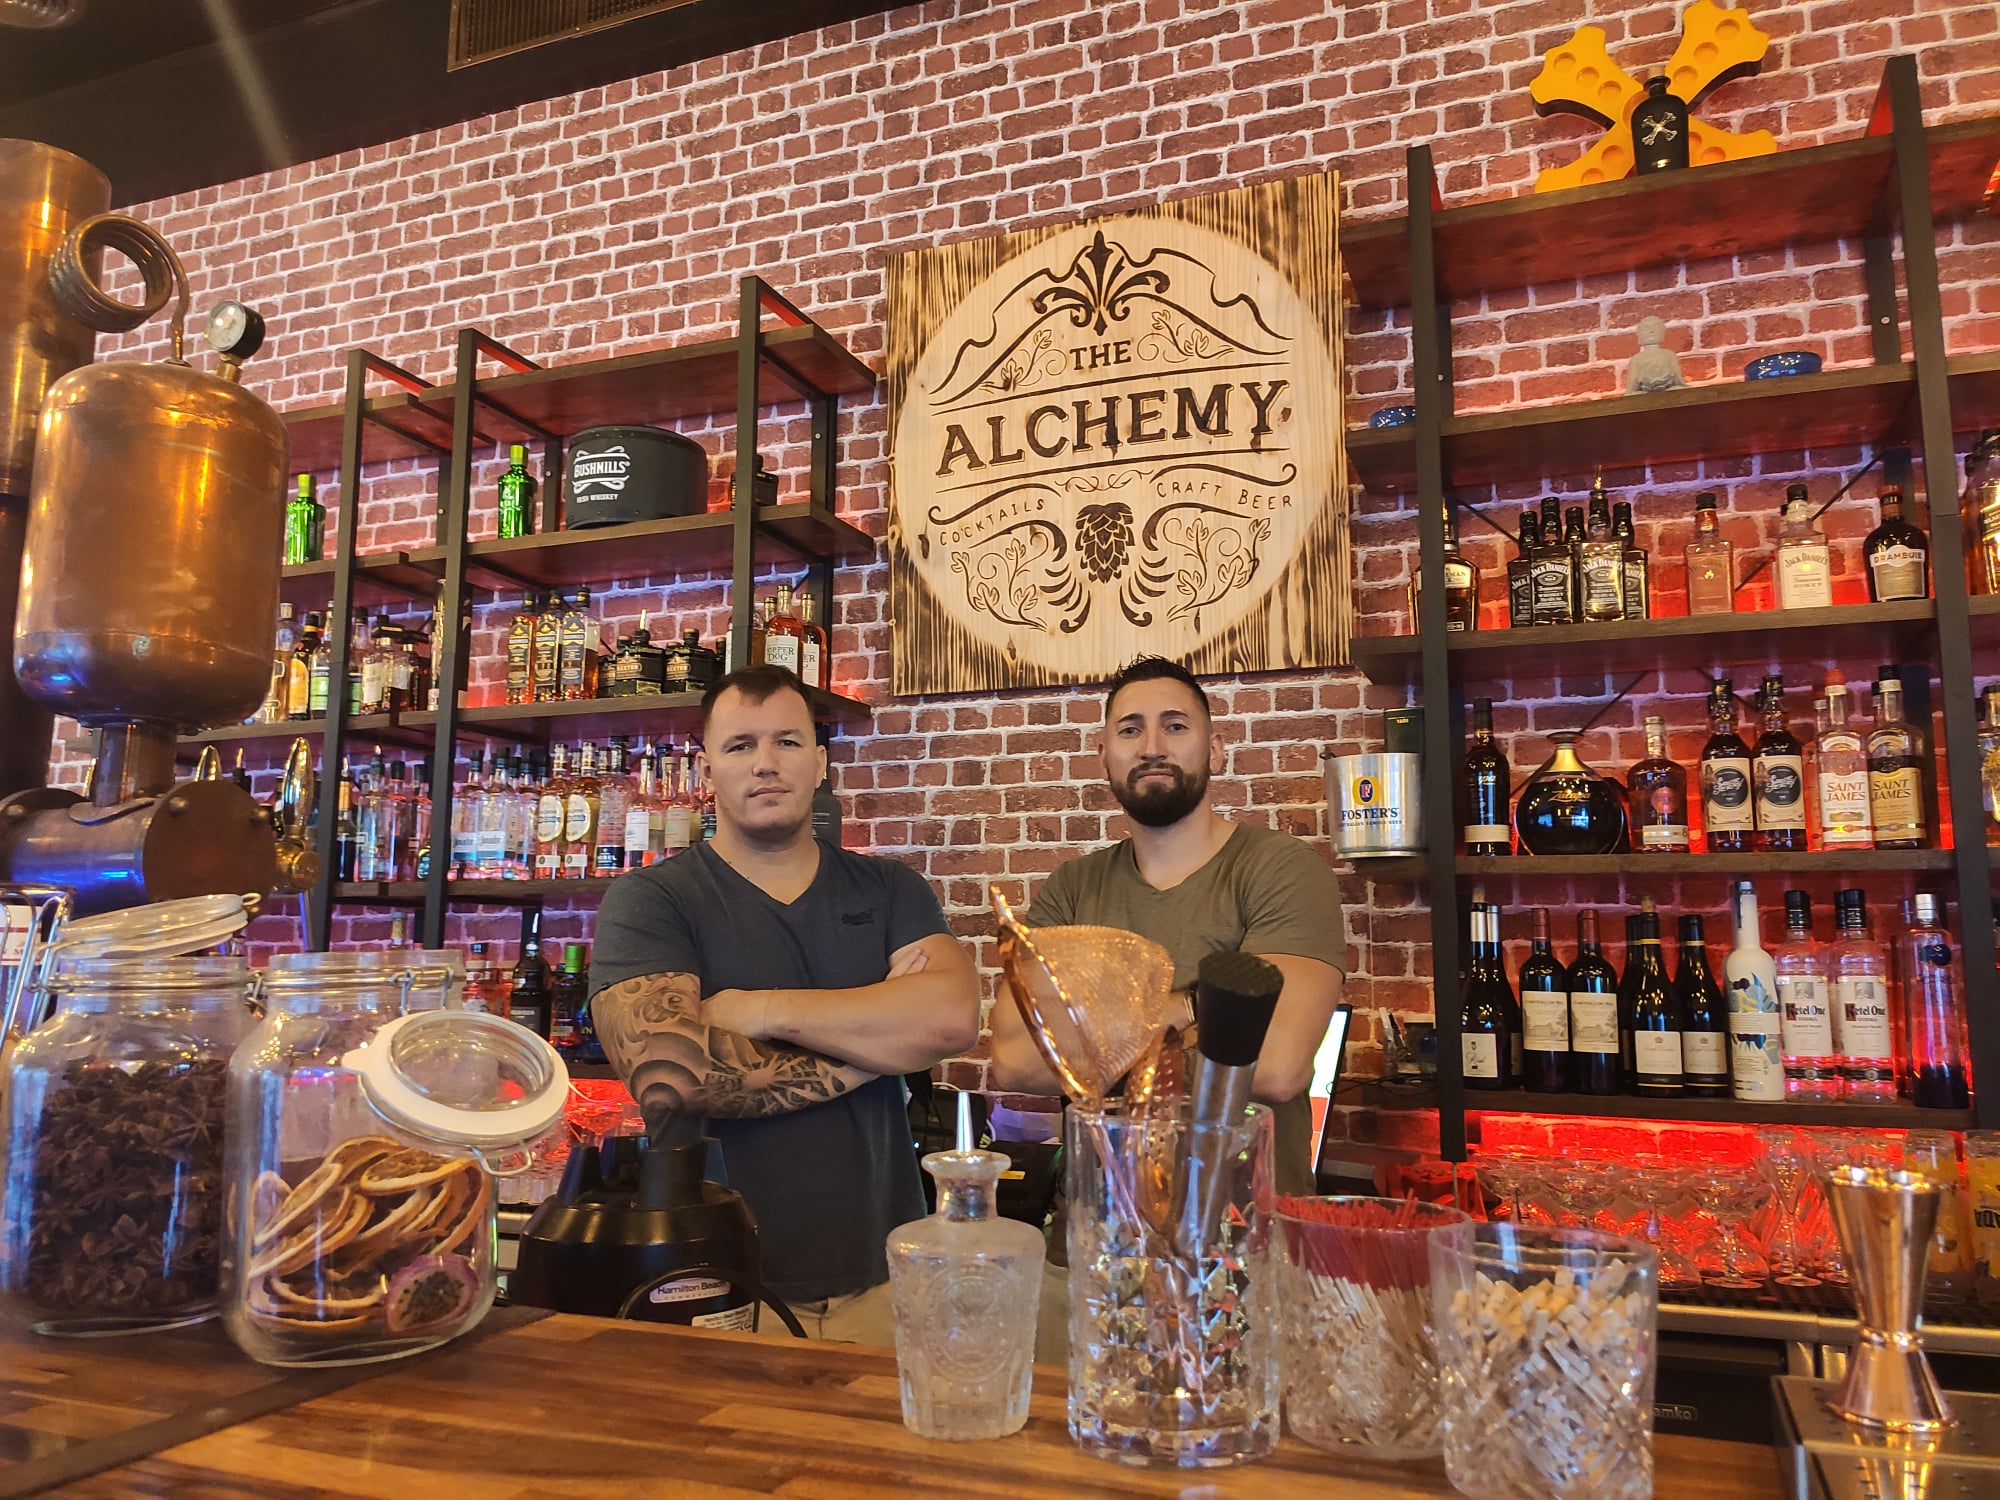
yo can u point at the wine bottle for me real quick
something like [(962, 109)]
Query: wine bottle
[(1704, 1017), (1544, 1015), (1628, 987), (1756, 1064), (1487, 783), (1657, 1063), (1485, 1029), (1593, 1014)]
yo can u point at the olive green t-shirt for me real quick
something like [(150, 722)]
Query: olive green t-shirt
[(1263, 892)]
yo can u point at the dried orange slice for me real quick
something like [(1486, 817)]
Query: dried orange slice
[(300, 1203), (402, 1171)]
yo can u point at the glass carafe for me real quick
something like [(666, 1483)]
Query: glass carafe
[(362, 1137), (114, 1166), (1567, 808), (967, 1285)]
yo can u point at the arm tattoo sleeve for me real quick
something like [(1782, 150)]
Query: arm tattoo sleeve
[(674, 1063)]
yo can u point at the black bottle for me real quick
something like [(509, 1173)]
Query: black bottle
[(528, 1000), (1657, 1067), (1574, 532), (1704, 1017), (1520, 573), (1544, 1015), (1593, 1014), (1549, 569), (1659, 131), (1487, 787), (1487, 1013)]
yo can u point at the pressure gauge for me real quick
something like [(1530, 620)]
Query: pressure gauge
[(234, 331)]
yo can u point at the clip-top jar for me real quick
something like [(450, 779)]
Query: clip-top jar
[(114, 1167), (363, 1137)]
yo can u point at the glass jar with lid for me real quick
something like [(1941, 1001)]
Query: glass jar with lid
[(365, 1132), (114, 1167)]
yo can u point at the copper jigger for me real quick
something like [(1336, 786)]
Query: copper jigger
[(1885, 1221)]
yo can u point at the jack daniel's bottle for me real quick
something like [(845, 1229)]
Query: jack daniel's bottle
[(1659, 130)]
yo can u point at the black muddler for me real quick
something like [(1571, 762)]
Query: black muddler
[(1234, 997)]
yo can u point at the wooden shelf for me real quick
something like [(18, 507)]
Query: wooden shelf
[(1807, 196), (467, 892), (1411, 867), (1693, 644), (1569, 441), (596, 718), (1718, 1111), (399, 426), (663, 386)]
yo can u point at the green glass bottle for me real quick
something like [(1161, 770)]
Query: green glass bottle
[(517, 494), (305, 525)]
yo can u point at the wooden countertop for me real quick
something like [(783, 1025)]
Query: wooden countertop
[(569, 1406)]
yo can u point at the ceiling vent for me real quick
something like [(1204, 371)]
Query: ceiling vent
[(482, 30)]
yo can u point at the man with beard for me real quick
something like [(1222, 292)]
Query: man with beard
[(1197, 884)]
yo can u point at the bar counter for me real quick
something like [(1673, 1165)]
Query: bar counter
[(535, 1406)]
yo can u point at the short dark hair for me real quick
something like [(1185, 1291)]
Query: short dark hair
[(756, 684), (1155, 669)]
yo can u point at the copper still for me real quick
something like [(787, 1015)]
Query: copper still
[(148, 600)]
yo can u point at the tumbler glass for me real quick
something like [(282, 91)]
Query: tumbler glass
[(1546, 1346), (1359, 1357), (1173, 1352)]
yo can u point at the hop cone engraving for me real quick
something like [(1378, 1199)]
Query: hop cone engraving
[(1103, 537)]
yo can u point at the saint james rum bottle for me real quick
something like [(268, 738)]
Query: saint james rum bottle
[(1659, 130), (1896, 754), (1487, 779)]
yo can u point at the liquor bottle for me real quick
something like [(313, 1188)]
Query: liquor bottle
[(1657, 1063), (1840, 775), (1898, 554), (1704, 1016), (1756, 1061), (485, 988), (1573, 539), (319, 675), (703, 795), (1812, 1067), (517, 494), (1593, 1014), (393, 828), (1461, 584), (465, 809), (551, 817), (343, 825), (1896, 754), (580, 815), (298, 671), (399, 932), (547, 677), (1521, 573), (1711, 563), (489, 847), (1628, 987), (275, 707), (1989, 761), (580, 635), (406, 671), (367, 817), (1864, 1031), (815, 656), (1933, 1010), (589, 1050), (1549, 570), (1778, 772), (1485, 1023), (1487, 785), (521, 814), (1727, 809), (1804, 566), (642, 666), (785, 635), (642, 816), (305, 525), (1657, 791), (521, 653), (682, 808), (528, 998), (614, 797), (420, 822), (1659, 130), (1601, 562), (1638, 566), (1544, 1015), (368, 669), (567, 997)]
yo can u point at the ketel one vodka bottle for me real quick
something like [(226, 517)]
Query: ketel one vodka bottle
[(1812, 1070), (1863, 1028), (1756, 1062)]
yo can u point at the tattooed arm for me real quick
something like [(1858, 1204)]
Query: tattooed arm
[(676, 1063)]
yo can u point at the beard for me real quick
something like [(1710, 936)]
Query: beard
[(1161, 806)]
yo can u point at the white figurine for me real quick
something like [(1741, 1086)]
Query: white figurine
[(1655, 367)]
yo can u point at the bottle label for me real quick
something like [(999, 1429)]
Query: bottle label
[(1861, 1016), (1656, 1054), (1781, 793), (577, 828), (1709, 587), (1544, 1021), (1663, 835), (1806, 1015), (1486, 833), (638, 830), (1482, 1054), (782, 651), (549, 818), (1754, 1063), (1845, 820), (374, 682), (1725, 793), (1898, 572), (1636, 589), (491, 848), (1896, 803), (678, 828), (1551, 583), (1593, 1022), (809, 662), (1604, 587), (1520, 594), (607, 859), (1805, 580), (316, 691), (1705, 1054)]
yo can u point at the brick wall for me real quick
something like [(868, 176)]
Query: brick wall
[(618, 219)]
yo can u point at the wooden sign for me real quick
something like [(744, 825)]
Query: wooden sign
[(1117, 439)]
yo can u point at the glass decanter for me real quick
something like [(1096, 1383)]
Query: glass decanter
[(1566, 808), (966, 1285)]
